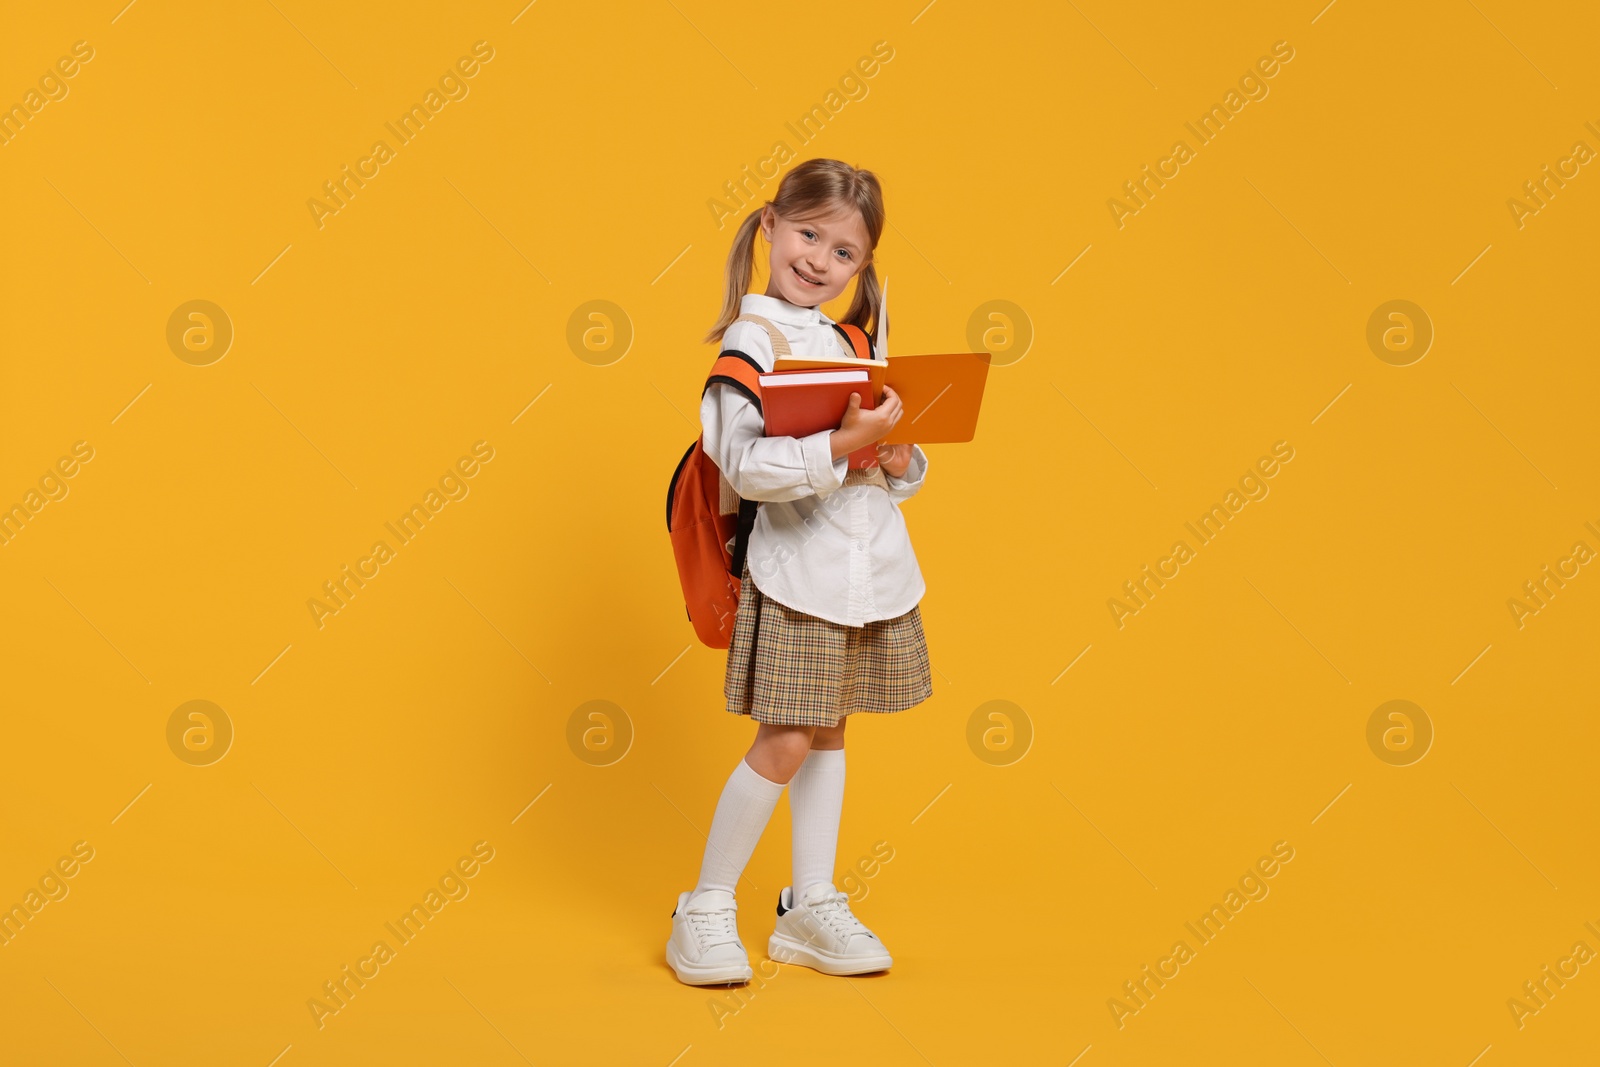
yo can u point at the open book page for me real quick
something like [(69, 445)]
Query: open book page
[(880, 347)]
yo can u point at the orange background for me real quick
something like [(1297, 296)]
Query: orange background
[(1039, 859)]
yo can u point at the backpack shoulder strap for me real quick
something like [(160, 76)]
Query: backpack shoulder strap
[(780, 343), (741, 536), (854, 340), (740, 369)]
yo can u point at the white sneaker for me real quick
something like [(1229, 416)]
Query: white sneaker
[(705, 948), (820, 931)]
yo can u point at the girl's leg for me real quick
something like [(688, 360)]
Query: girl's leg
[(778, 751), (747, 801), (816, 799), (828, 738)]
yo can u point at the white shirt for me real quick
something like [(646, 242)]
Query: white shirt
[(841, 553)]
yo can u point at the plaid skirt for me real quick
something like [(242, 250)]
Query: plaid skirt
[(795, 669)]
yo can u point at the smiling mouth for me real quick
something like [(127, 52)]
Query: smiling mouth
[(805, 278)]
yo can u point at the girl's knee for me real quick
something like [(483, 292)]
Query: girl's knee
[(830, 737), (778, 751), (792, 742)]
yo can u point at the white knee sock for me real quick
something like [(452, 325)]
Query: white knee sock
[(742, 813), (816, 797)]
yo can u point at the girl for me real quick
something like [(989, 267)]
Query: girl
[(828, 621)]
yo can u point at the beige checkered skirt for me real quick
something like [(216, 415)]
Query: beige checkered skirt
[(794, 669)]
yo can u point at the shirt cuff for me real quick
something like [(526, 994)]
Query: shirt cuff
[(915, 472), (825, 472)]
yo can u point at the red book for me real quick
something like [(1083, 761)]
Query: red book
[(799, 403)]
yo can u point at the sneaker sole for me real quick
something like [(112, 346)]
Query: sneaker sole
[(693, 974), (787, 950)]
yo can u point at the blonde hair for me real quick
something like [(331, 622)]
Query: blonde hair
[(811, 190)]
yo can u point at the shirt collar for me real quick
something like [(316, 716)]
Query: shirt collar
[(770, 307)]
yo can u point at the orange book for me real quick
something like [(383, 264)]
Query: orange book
[(801, 403), (941, 392)]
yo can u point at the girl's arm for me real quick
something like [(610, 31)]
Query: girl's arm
[(760, 467), (902, 489)]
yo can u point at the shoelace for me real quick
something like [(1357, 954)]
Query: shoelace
[(833, 910), (713, 927)]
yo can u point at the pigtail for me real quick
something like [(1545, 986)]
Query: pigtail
[(866, 307), (741, 268)]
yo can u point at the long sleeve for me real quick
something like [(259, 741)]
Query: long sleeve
[(903, 489), (760, 467)]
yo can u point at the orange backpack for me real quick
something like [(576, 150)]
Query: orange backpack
[(710, 524)]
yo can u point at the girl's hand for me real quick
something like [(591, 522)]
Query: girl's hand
[(863, 426), (895, 459)]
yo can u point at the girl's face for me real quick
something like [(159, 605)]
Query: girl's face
[(813, 261)]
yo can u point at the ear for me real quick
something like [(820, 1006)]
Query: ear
[(768, 220)]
